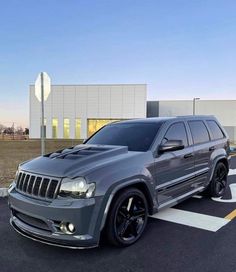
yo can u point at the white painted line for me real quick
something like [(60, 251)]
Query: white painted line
[(3, 192), (232, 188), (197, 196), (192, 219), (232, 172)]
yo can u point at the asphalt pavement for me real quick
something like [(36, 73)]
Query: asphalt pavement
[(165, 246)]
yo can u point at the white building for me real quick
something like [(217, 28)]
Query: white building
[(77, 111), (224, 110)]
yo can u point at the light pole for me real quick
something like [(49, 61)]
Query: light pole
[(194, 104)]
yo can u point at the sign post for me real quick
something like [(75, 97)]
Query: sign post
[(42, 91)]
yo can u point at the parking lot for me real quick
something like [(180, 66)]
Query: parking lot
[(196, 235)]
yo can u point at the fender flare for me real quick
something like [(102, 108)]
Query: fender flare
[(113, 193), (216, 162)]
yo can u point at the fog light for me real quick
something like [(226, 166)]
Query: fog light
[(67, 228), (71, 227)]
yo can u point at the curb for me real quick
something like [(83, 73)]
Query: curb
[(3, 192)]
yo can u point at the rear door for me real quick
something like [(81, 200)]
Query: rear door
[(174, 169), (202, 149)]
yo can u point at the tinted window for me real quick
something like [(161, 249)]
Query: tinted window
[(199, 132), (215, 130), (176, 132), (137, 136)]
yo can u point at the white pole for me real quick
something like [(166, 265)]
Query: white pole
[(42, 117)]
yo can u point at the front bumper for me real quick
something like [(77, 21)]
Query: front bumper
[(40, 220)]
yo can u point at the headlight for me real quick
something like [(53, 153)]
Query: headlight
[(77, 188), (16, 175)]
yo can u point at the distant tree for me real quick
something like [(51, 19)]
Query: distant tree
[(19, 130), (26, 132), (2, 127), (8, 130)]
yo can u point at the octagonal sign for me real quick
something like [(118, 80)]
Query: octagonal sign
[(46, 86)]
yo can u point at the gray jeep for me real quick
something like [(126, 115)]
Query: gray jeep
[(111, 183)]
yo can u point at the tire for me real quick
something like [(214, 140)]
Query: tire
[(127, 218), (218, 183)]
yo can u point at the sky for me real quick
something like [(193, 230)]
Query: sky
[(180, 48)]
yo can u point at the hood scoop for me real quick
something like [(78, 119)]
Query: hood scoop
[(85, 151)]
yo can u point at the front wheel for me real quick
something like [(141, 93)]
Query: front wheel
[(127, 218), (218, 183)]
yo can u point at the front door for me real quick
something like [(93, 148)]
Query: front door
[(175, 169)]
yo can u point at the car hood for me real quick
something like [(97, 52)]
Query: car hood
[(78, 160)]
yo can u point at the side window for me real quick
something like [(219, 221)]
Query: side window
[(215, 130), (199, 132), (176, 131)]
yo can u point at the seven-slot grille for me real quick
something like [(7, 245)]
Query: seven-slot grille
[(37, 186)]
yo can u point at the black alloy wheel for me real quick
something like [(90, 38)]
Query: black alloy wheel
[(218, 184), (128, 218)]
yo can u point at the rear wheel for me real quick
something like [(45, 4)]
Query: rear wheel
[(218, 183), (127, 218)]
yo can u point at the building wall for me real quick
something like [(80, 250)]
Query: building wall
[(87, 102), (224, 110), (152, 108)]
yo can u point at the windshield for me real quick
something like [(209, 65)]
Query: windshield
[(137, 136)]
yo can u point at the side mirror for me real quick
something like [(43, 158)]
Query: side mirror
[(171, 145)]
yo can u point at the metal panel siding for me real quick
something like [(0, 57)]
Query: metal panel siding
[(116, 101), (92, 109), (140, 107), (223, 110), (35, 115), (104, 102), (152, 108), (128, 102), (69, 101), (122, 101), (175, 108), (81, 104), (231, 132)]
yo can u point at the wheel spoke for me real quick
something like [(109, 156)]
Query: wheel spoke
[(122, 213), (138, 213), (123, 227), (130, 204), (133, 227)]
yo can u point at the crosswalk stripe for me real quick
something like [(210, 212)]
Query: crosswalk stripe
[(192, 219)]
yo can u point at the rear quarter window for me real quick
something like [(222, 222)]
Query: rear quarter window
[(215, 130), (199, 132)]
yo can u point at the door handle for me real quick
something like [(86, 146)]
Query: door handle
[(212, 148), (189, 155)]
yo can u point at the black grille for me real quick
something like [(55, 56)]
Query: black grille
[(37, 186)]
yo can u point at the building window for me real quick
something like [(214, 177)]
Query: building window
[(95, 124), (66, 128), (54, 128), (77, 128)]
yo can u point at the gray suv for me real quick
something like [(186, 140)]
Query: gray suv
[(111, 183)]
